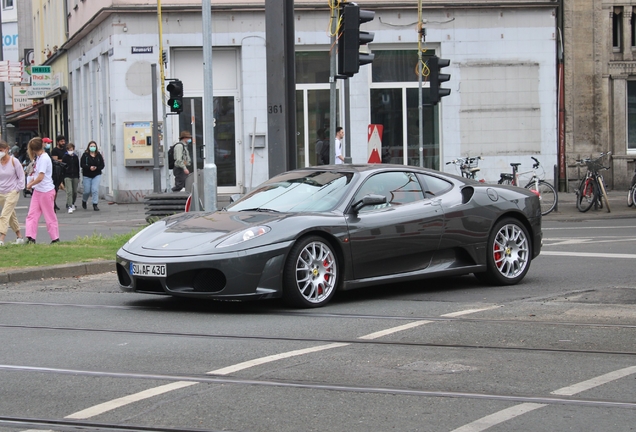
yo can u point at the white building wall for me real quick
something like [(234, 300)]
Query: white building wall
[(516, 47)]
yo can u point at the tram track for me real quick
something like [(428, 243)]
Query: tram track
[(76, 425), (356, 341), (402, 391), (351, 316)]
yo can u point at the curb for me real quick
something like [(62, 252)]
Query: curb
[(58, 271)]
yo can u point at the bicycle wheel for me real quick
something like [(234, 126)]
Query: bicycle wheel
[(602, 194), (547, 195), (630, 197), (586, 195)]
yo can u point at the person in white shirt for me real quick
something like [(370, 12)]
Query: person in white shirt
[(339, 137), (43, 198)]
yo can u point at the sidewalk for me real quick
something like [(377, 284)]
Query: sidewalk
[(122, 218)]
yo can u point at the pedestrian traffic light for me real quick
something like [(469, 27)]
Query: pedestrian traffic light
[(435, 78), (175, 88), (350, 38)]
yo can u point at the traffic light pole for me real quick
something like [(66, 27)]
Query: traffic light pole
[(332, 87), (156, 171)]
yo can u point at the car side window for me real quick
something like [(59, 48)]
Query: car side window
[(434, 186), (398, 187)]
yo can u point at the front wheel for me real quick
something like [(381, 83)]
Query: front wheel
[(586, 195), (633, 191), (547, 195), (311, 273), (630, 197), (508, 253), (603, 194)]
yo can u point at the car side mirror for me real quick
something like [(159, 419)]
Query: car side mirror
[(368, 200)]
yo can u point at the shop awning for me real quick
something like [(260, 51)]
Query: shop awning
[(57, 92), (25, 113)]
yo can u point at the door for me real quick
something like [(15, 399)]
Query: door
[(399, 236)]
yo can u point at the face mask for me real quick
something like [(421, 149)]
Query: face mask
[(47, 146), (2, 154), (70, 152), (92, 148), (189, 141)]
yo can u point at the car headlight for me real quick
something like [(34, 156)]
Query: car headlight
[(245, 235)]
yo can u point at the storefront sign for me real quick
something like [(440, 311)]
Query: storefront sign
[(41, 77), (20, 99)]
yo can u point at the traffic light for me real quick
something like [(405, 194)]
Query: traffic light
[(175, 88), (350, 38), (435, 78)]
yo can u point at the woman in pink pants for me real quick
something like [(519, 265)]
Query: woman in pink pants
[(43, 198)]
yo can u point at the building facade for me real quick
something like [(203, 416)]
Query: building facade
[(503, 101)]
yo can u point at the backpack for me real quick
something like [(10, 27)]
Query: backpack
[(59, 169), (171, 155)]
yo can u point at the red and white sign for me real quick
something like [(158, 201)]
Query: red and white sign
[(374, 145), (11, 71)]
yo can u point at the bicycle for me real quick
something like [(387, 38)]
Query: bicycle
[(631, 194), (545, 191), (468, 166), (591, 190)]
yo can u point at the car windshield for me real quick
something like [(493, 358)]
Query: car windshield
[(297, 191)]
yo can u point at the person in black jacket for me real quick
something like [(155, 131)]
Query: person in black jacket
[(71, 176), (92, 164)]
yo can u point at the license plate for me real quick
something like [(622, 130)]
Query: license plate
[(148, 270)]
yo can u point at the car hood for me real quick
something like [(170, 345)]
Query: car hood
[(197, 232)]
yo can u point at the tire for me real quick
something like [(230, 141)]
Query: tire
[(547, 195), (508, 253), (630, 197), (603, 194), (634, 195), (311, 273), (586, 195)]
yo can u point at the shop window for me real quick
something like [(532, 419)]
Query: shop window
[(631, 116), (395, 66), (312, 67), (617, 28)]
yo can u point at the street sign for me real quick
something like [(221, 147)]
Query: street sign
[(11, 71), (41, 77), (20, 99)]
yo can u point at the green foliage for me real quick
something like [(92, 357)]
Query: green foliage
[(83, 249)]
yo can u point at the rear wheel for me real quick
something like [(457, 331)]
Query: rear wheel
[(311, 273), (508, 253), (586, 195), (603, 194), (630, 197), (634, 195), (547, 195)]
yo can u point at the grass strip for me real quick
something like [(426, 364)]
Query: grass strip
[(83, 249)]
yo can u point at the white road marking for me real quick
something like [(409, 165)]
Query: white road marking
[(498, 417), (517, 410), (469, 311), (585, 228), (271, 358), (588, 254), (595, 382), (117, 403), (386, 332), (126, 400)]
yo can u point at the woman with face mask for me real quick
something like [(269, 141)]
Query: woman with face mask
[(92, 164), (41, 181), (11, 184), (71, 176)]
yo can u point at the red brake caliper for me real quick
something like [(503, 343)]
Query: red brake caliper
[(498, 255)]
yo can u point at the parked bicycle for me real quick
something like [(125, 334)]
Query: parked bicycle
[(631, 194), (468, 166), (544, 190), (591, 190)]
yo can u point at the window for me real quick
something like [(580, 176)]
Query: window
[(631, 116), (617, 28), (398, 188), (434, 186), (7, 4), (633, 27), (395, 105)]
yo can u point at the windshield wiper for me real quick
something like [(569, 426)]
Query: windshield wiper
[(260, 209)]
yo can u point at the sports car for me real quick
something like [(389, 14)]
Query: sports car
[(306, 234)]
